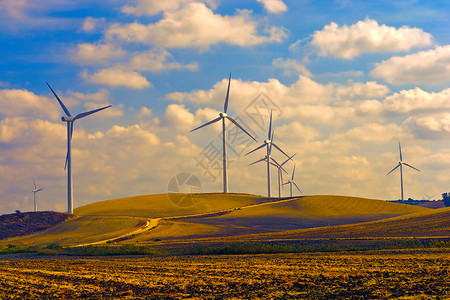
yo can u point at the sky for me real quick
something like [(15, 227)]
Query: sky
[(346, 82)]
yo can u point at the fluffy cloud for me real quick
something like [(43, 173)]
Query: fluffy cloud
[(417, 100), (118, 77), (195, 25), (362, 90), (153, 7), (92, 24), (367, 37), (291, 66), (274, 6), (154, 61), (433, 127), (87, 54), (425, 67), (15, 102)]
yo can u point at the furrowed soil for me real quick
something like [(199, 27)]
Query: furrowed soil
[(405, 274)]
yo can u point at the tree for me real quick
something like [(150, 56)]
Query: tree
[(446, 199)]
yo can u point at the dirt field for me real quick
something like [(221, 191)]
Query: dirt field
[(407, 274)]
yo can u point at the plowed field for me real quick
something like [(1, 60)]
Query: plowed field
[(418, 274)]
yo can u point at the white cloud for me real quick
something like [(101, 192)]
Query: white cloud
[(432, 127), (118, 77), (195, 25), (88, 54), (101, 95), (92, 24), (15, 102), (154, 61), (425, 67), (153, 7), (362, 90), (367, 36), (291, 66), (274, 6), (178, 117), (416, 101)]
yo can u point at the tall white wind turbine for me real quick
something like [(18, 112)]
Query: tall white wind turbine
[(35, 191), (291, 182), (70, 120), (222, 116), (268, 144), (400, 164)]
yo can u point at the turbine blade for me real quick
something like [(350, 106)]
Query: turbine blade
[(290, 158), (84, 114), (260, 160), (257, 148), (225, 107), (297, 187), (270, 126), (393, 169), (240, 127), (278, 165), (67, 159), (206, 124), (411, 167), (286, 183), (400, 150), (293, 173), (279, 149), (35, 187), (66, 111), (40, 190)]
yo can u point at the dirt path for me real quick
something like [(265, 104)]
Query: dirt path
[(150, 224)]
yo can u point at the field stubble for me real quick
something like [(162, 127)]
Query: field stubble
[(405, 274)]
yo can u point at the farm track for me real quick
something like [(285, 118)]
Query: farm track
[(410, 274)]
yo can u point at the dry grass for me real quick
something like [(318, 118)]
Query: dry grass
[(159, 205)]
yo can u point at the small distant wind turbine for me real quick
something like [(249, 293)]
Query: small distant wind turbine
[(291, 182), (70, 120), (429, 197), (222, 116), (400, 164), (35, 191), (268, 144), (280, 172)]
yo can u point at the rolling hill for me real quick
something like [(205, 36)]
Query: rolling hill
[(146, 218), (288, 214)]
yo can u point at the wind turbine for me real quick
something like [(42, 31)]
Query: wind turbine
[(35, 191), (400, 164), (268, 144), (70, 120), (291, 182), (222, 116), (280, 174)]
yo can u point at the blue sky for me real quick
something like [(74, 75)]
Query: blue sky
[(348, 79)]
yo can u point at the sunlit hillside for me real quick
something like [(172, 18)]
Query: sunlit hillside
[(165, 205), (304, 212), (150, 217)]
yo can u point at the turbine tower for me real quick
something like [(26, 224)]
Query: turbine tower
[(222, 116), (70, 120), (291, 182), (400, 164), (268, 144), (35, 191)]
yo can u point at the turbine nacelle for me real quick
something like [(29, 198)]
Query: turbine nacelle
[(268, 141), (67, 119), (223, 115)]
